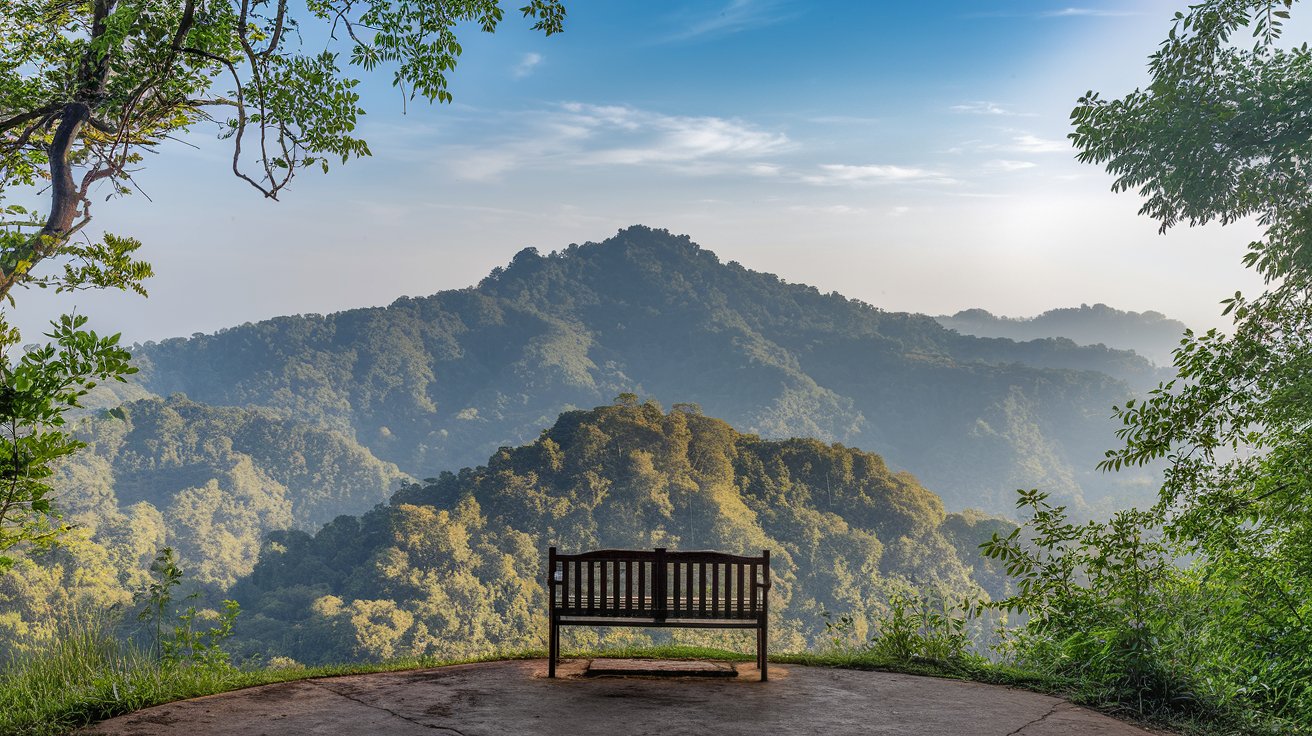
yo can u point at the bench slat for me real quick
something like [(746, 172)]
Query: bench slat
[(675, 608), (717, 590), (752, 589), (701, 588), (642, 583), (742, 571)]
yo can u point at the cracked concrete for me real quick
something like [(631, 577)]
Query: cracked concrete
[(516, 697)]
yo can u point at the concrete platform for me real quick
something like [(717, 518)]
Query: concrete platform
[(497, 698), (658, 668)]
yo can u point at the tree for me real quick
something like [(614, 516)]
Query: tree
[(88, 86), (1221, 134)]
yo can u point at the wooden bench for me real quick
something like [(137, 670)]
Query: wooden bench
[(620, 587)]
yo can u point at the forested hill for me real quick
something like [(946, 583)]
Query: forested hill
[(442, 381), (213, 481), (453, 567), (1150, 334)]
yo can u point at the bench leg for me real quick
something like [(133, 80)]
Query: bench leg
[(762, 653), (553, 648)]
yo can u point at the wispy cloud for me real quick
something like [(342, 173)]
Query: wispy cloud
[(579, 134), (849, 174), (843, 120), (1087, 13), (828, 209), (1068, 12), (984, 107), (1019, 142), (1002, 165), (735, 17), (1027, 143), (526, 65)]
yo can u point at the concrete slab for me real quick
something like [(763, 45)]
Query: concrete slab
[(659, 668), (498, 698)]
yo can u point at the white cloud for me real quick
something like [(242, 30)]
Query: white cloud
[(848, 174), (1007, 165), (1087, 13), (831, 209), (526, 65), (984, 107), (1021, 142), (844, 120), (654, 138), (579, 134), (1027, 143), (1068, 12)]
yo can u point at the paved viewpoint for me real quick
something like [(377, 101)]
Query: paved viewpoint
[(516, 698)]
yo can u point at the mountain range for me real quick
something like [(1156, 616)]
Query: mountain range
[(440, 382), (348, 477)]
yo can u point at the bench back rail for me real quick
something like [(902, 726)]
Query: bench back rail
[(659, 584)]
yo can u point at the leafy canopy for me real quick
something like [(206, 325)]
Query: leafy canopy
[(88, 86), (1221, 134)]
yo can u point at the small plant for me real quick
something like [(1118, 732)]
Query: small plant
[(165, 576), (184, 643), (839, 633), (918, 628), (187, 644)]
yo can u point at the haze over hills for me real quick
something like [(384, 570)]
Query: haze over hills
[(1150, 334), (441, 382), (217, 479)]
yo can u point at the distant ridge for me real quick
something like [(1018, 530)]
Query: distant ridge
[(441, 382), (1150, 334)]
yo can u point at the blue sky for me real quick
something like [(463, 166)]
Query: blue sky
[(910, 155)]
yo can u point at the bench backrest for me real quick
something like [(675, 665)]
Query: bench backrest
[(658, 584)]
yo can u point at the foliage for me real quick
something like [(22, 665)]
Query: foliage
[(87, 88), (36, 390), (913, 628), (158, 601), (90, 670), (1219, 135), (89, 673), (184, 643), (1094, 595)]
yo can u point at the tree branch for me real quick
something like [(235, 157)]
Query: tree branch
[(28, 116)]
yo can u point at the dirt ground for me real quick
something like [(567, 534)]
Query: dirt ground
[(498, 698)]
